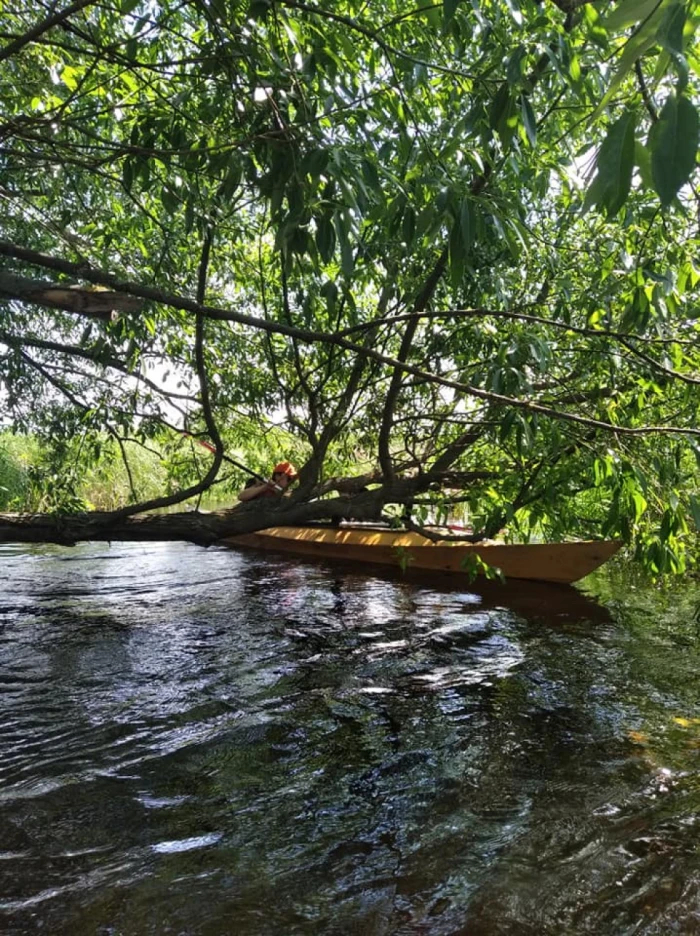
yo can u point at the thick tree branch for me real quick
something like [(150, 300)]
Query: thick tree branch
[(420, 304), (200, 363), (646, 96), (101, 304)]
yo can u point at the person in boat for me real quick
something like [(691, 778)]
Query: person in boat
[(283, 475)]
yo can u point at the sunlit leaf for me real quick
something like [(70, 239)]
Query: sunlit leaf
[(70, 76), (642, 160), (629, 13), (636, 45), (529, 119)]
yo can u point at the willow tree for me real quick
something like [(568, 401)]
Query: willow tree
[(449, 247)]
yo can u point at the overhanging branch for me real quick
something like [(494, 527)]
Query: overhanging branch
[(44, 26), (101, 277)]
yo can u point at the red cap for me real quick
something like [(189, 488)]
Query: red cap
[(285, 468)]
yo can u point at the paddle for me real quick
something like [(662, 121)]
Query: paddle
[(236, 464)]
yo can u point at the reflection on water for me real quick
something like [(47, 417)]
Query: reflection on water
[(210, 742)]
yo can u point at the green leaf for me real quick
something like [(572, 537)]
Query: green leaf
[(457, 255), (629, 12), (325, 237), (371, 176), (170, 200), (670, 37), (639, 503), (500, 112), (642, 160), (673, 142), (615, 163), (448, 11), (466, 225), (594, 195), (529, 119), (671, 31), (635, 47), (128, 174), (70, 77), (506, 426), (259, 9), (347, 256), (314, 163), (596, 32), (575, 69), (408, 225), (330, 292), (189, 216), (514, 70), (128, 6)]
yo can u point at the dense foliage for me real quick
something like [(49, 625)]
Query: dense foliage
[(450, 248)]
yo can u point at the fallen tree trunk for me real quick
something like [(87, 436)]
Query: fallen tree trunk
[(193, 526), (207, 528)]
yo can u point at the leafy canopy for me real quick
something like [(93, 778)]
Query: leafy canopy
[(449, 248)]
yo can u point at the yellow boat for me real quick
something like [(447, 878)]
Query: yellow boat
[(543, 562)]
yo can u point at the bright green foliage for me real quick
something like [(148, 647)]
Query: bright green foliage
[(16, 458), (455, 240)]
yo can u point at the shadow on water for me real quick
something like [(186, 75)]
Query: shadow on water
[(212, 742)]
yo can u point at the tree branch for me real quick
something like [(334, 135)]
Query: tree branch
[(101, 304), (21, 41), (420, 304), (219, 314)]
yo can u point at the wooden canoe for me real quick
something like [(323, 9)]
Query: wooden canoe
[(544, 562)]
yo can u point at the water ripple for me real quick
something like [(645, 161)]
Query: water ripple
[(191, 737)]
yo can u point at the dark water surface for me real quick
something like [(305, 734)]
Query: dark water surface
[(208, 742)]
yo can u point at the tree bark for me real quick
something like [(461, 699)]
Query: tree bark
[(94, 303)]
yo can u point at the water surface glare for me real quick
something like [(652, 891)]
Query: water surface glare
[(212, 742)]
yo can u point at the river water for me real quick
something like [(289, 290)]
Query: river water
[(214, 742)]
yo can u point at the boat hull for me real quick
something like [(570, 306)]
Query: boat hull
[(543, 562)]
